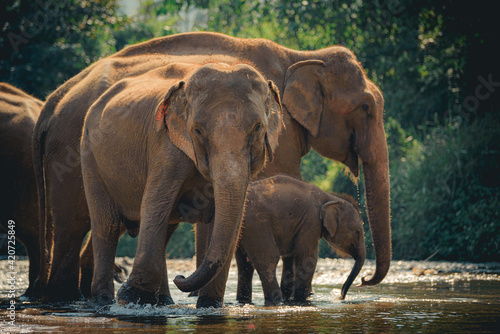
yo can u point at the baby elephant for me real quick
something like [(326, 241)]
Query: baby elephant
[(288, 217)]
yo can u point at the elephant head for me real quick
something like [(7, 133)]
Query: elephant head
[(343, 230), (342, 112), (227, 120)]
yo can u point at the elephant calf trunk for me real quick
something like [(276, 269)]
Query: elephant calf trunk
[(358, 264)]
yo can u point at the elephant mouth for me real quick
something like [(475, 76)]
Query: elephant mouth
[(352, 158)]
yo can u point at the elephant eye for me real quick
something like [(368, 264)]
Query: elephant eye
[(198, 131), (365, 107), (257, 127)]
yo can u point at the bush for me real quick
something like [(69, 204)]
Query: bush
[(180, 246), (446, 198)]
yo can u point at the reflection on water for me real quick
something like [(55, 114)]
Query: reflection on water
[(415, 297)]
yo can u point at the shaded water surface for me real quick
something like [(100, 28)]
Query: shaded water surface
[(416, 297)]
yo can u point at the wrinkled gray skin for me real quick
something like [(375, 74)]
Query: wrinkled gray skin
[(287, 219), (150, 144), (18, 115)]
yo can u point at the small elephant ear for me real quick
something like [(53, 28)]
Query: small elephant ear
[(329, 216), (303, 95), (274, 113), (172, 114)]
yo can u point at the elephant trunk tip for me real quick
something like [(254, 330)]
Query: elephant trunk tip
[(363, 282), (180, 282), (370, 282), (202, 276)]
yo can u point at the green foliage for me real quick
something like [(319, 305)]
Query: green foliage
[(396, 41), (428, 57), (151, 22), (126, 246), (447, 197), (181, 245), (44, 43), (314, 167), (184, 242)]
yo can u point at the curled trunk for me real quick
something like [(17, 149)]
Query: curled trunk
[(229, 191)]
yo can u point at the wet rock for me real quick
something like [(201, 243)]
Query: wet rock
[(422, 272)]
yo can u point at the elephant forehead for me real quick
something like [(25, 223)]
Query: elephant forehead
[(224, 84), (227, 104), (241, 79), (233, 117)]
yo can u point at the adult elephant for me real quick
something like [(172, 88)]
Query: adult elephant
[(330, 105), (216, 125), (18, 114)]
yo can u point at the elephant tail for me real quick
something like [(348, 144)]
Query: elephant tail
[(38, 162)]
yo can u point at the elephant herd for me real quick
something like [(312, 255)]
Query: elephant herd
[(201, 128)]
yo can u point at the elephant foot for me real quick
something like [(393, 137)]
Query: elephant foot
[(86, 283), (54, 292), (299, 303), (272, 302), (301, 297), (30, 292), (274, 299), (244, 300), (205, 301), (35, 291), (102, 300), (243, 296), (129, 295)]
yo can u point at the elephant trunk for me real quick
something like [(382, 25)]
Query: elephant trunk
[(359, 257), (230, 187), (376, 176)]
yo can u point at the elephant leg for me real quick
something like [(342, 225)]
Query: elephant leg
[(266, 268), (202, 231), (164, 297), (305, 265), (104, 249), (245, 274), (105, 218), (212, 294), (70, 225), (86, 267), (287, 278), (148, 281), (106, 223), (33, 250)]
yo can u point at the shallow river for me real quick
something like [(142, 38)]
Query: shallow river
[(416, 297)]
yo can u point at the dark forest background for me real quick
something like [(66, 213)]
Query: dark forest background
[(435, 61)]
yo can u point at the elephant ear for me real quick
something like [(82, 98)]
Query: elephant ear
[(172, 115), (274, 113), (303, 95), (329, 216)]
